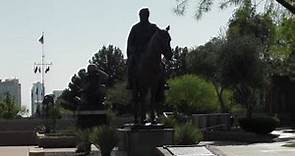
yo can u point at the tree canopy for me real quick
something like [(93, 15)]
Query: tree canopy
[(110, 60), (8, 108), (204, 6), (205, 61), (177, 66), (239, 59)]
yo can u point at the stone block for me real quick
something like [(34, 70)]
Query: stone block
[(143, 141)]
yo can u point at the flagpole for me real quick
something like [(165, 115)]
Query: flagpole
[(42, 68)]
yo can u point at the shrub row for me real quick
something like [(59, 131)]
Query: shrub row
[(259, 125)]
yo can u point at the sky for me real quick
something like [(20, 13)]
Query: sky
[(76, 29)]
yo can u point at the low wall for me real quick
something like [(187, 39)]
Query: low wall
[(143, 141), (220, 121), (237, 136), (23, 131)]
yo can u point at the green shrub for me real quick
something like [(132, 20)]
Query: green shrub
[(187, 134), (84, 145), (169, 122), (290, 144), (259, 125), (8, 108), (190, 94), (105, 137), (118, 98), (229, 102)]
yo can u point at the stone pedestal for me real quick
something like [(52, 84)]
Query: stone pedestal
[(91, 118), (142, 141), (56, 141)]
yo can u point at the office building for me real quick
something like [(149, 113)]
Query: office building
[(13, 88), (37, 94)]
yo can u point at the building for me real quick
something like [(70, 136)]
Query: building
[(37, 94), (13, 88)]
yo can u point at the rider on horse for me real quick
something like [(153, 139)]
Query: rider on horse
[(138, 39), (146, 43)]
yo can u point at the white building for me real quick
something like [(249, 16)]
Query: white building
[(37, 94), (13, 88)]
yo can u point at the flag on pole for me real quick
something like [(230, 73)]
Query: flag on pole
[(41, 39), (47, 69), (36, 69)]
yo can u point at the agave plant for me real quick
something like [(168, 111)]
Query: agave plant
[(105, 137), (84, 145), (187, 134)]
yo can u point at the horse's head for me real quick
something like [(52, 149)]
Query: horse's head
[(165, 43)]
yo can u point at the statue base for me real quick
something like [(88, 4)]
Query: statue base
[(148, 125), (91, 118), (135, 140)]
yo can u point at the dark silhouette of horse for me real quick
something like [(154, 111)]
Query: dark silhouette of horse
[(149, 75)]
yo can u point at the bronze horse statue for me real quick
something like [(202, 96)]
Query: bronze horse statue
[(148, 75)]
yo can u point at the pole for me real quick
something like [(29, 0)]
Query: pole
[(42, 69)]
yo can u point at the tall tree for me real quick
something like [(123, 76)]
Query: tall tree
[(204, 6), (8, 108), (242, 69), (110, 60), (246, 21), (283, 63), (204, 61), (236, 61), (87, 88), (284, 39), (177, 66), (244, 55)]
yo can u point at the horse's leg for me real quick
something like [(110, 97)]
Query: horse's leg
[(142, 105), (160, 97), (152, 104), (135, 105)]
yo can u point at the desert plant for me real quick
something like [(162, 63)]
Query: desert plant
[(168, 122), (190, 94), (290, 144), (105, 137), (187, 134), (84, 145), (259, 125)]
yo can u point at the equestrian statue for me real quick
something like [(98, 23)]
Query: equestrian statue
[(146, 45)]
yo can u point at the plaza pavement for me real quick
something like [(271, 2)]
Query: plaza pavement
[(261, 149), (218, 148), (257, 149), (14, 150)]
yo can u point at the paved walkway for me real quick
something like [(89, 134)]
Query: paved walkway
[(258, 149), (189, 151), (267, 149), (218, 148), (14, 150)]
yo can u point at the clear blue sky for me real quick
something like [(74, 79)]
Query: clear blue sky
[(76, 29)]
